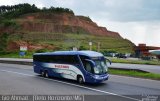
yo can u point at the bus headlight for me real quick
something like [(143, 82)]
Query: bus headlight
[(96, 76), (96, 70), (106, 69)]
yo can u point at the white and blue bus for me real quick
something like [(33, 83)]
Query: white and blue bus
[(83, 66)]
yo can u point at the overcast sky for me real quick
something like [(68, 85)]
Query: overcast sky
[(136, 20)]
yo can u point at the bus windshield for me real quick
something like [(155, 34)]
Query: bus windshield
[(100, 66)]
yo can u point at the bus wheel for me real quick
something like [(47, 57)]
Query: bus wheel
[(80, 79), (46, 74), (43, 74)]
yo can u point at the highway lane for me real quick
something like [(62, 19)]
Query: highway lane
[(148, 68), (20, 79)]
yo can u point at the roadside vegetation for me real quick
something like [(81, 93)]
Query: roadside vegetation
[(133, 73), (15, 11), (3, 41), (65, 42), (15, 55), (68, 40)]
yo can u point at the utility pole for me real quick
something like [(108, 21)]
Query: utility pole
[(90, 46), (98, 47)]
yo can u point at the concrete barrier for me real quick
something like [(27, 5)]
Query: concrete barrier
[(17, 62)]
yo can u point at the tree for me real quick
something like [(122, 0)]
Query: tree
[(3, 41), (20, 9)]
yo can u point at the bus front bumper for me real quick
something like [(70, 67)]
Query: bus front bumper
[(99, 79)]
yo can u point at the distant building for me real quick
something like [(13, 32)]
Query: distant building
[(143, 50)]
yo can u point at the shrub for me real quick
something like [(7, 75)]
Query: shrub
[(41, 50)]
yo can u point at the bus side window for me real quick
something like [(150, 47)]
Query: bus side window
[(87, 66), (69, 59), (38, 58)]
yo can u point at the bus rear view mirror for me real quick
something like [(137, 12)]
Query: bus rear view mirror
[(108, 61)]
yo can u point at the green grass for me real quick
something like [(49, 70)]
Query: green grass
[(15, 55), (147, 62), (69, 40), (133, 73), (73, 39)]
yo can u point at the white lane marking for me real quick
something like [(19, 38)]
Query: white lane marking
[(97, 90)]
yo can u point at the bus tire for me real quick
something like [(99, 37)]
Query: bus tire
[(43, 74), (46, 74), (80, 79)]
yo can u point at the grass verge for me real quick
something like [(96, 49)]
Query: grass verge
[(133, 73), (15, 55)]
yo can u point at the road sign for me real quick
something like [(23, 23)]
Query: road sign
[(23, 48), (90, 43)]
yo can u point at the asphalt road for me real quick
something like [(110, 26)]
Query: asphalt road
[(148, 68), (20, 80)]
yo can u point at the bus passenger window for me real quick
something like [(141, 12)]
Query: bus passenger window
[(88, 67)]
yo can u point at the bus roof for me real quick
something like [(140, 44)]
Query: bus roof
[(86, 53)]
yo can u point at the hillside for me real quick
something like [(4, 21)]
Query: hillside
[(62, 23), (55, 29)]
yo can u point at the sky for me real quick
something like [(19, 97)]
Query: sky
[(136, 20)]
